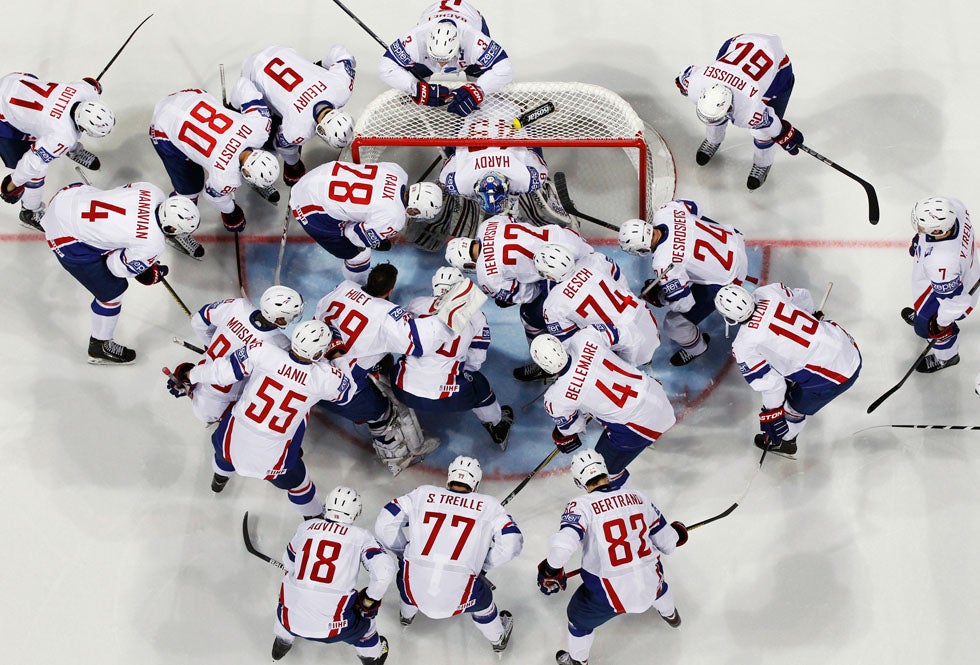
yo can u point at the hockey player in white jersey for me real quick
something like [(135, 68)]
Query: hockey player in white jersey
[(39, 122), (305, 98), (351, 208), (591, 381), (451, 37), (593, 290), (227, 325), (318, 599), (502, 256), (205, 146), (261, 436), (446, 539), (944, 275), (450, 379), (701, 256), (370, 327), (789, 353), (622, 535), (748, 85), (103, 238)]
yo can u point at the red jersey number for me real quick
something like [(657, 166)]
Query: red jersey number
[(273, 409), (202, 135)]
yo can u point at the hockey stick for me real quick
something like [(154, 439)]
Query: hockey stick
[(925, 352), (649, 287), (360, 23), (544, 463), (187, 345), (238, 264), (99, 77), (251, 548), (873, 212), (282, 247), (163, 280), (946, 427), (561, 186), (527, 406)]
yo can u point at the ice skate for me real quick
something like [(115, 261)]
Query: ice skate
[(684, 356), (185, 243), (531, 372), (218, 482), (931, 363), (785, 448), (280, 648), (501, 431), (270, 193), (380, 659), (82, 156), (108, 352), (32, 218), (563, 658), (508, 621), (674, 620), (706, 152), (757, 176)]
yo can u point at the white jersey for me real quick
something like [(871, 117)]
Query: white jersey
[(322, 561), (83, 224), (782, 341), (483, 60), (293, 87), (225, 326), (42, 112), (364, 202), (622, 535), (505, 268), (700, 250), (522, 167), (948, 268), (275, 403), (371, 327), (212, 137), (598, 293), (600, 383), (437, 375), (748, 67), (451, 537)]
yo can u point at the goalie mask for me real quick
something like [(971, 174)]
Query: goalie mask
[(491, 191), (715, 105)]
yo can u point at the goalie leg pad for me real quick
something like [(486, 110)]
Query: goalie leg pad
[(458, 305), (543, 207), (399, 441)]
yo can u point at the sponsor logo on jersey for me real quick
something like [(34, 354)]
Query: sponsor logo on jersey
[(491, 55), (944, 288), (451, 184), (45, 156), (397, 50), (570, 518), (399, 314)]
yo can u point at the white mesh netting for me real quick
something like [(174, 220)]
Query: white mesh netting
[(589, 127)]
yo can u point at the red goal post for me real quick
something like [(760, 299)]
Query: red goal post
[(585, 116)]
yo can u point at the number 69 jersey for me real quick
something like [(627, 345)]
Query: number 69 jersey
[(622, 535), (783, 341), (451, 537), (322, 561), (361, 202)]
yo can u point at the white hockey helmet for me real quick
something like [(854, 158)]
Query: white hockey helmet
[(491, 191), (933, 216), (261, 168), (459, 254), (587, 466), (343, 505), (465, 470), (715, 104), (442, 42), (555, 262), (336, 127), (444, 279), (280, 303), (94, 118), (426, 197), (735, 304), (548, 353), (177, 215), (635, 236), (310, 339)]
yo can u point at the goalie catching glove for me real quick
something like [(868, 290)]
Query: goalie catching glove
[(465, 99), (178, 381), (773, 423), (551, 580), (459, 303)]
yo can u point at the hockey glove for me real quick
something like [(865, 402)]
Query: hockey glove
[(655, 296), (365, 605), (503, 304), (335, 349), (680, 86), (915, 245), (681, 532), (178, 381), (153, 274), (431, 94), (818, 315), (466, 98), (565, 442), (790, 138), (773, 423), (95, 84), (10, 192), (937, 331), (551, 580), (234, 221), (383, 246)]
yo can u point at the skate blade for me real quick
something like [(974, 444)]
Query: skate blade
[(103, 361)]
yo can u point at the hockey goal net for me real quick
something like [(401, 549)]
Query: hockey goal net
[(586, 116)]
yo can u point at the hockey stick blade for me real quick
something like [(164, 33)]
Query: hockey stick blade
[(728, 511), (535, 114), (251, 548), (873, 211), (561, 187)]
